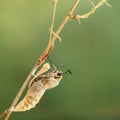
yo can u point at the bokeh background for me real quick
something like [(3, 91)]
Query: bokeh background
[(91, 50)]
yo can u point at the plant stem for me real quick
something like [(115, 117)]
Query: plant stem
[(53, 18), (65, 20), (44, 55)]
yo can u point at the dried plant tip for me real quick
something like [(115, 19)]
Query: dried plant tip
[(108, 4), (54, 1), (91, 2)]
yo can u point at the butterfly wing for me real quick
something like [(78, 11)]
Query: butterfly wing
[(44, 69)]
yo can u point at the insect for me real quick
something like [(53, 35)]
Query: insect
[(42, 81)]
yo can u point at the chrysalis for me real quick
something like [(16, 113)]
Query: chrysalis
[(42, 81)]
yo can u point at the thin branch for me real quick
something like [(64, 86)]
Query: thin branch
[(95, 7), (54, 2), (65, 20), (44, 55)]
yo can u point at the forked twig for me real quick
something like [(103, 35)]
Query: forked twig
[(94, 8)]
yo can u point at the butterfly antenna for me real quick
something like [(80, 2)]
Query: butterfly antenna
[(55, 68), (68, 71)]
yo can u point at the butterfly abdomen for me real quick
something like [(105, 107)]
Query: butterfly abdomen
[(26, 104), (32, 97)]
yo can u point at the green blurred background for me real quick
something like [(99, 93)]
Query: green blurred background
[(91, 50)]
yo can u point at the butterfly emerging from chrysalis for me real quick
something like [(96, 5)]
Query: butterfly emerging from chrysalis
[(44, 79)]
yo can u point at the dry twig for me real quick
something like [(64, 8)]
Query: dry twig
[(53, 36), (94, 8)]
